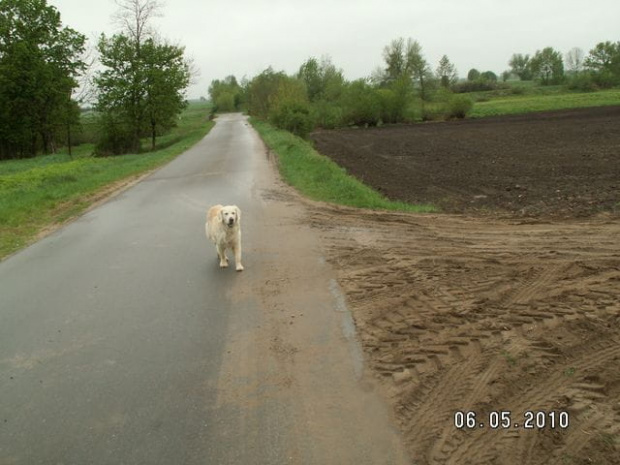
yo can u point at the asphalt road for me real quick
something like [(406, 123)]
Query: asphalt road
[(122, 342)]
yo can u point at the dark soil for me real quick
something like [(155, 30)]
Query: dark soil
[(564, 163)]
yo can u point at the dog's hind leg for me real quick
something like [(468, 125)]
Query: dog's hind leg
[(221, 253)]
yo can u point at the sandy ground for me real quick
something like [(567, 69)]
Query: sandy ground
[(507, 315), (463, 314)]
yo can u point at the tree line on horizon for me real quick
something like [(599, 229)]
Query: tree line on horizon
[(404, 89), (140, 84), (139, 88)]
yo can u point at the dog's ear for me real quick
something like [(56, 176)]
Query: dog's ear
[(238, 211), (220, 215)]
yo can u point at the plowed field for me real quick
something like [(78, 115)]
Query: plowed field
[(564, 163), (511, 305)]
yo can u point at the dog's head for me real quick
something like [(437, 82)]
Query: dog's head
[(230, 215)]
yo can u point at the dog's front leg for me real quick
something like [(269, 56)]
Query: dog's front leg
[(221, 252), (237, 251)]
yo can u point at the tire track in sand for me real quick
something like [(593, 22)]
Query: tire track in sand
[(474, 313)]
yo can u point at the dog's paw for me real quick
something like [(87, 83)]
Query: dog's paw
[(224, 264), (239, 267)]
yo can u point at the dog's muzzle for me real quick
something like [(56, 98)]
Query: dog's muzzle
[(231, 223)]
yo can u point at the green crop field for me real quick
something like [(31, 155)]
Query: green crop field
[(530, 102)]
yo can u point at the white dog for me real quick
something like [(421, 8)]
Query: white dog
[(224, 228)]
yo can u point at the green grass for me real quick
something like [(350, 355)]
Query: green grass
[(553, 100), (319, 178), (38, 192)]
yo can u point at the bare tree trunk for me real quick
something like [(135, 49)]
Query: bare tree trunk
[(69, 140), (153, 135)]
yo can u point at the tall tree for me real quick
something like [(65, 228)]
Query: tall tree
[(547, 66), (520, 65), (134, 19), (574, 60), (417, 66), (603, 56), (404, 58), (39, 64), (446, 72), (473, 74), (142, 88), (395, 59), (310, 73), (604, 61), (323, 80), (120, 94), (262, 90), (488, 76), (167, 76)]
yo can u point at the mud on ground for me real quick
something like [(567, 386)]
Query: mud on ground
[(485, 314)]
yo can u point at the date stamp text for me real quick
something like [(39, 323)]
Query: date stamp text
[(505, 419)]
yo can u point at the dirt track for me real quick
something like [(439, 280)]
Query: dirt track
[(479, 313)]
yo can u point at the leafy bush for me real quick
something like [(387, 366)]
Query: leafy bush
[(294, 117), (473, 75), (116, 138), (583, 82), (327, 115), (226, 95), (262, 90), (447, 105), (488, 76), (605, 79), (225, 103), (289, 108), (480, 85), (433, 111), (362, 104), (393, 106), (459, 106)]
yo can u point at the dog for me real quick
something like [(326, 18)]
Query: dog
[(223, 227)]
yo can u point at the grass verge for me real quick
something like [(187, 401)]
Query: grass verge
[(39, 192), (319, 178)]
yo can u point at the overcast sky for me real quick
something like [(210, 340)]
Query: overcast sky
[(243, 37)]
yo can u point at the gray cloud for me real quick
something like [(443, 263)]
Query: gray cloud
[(243, 37)]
